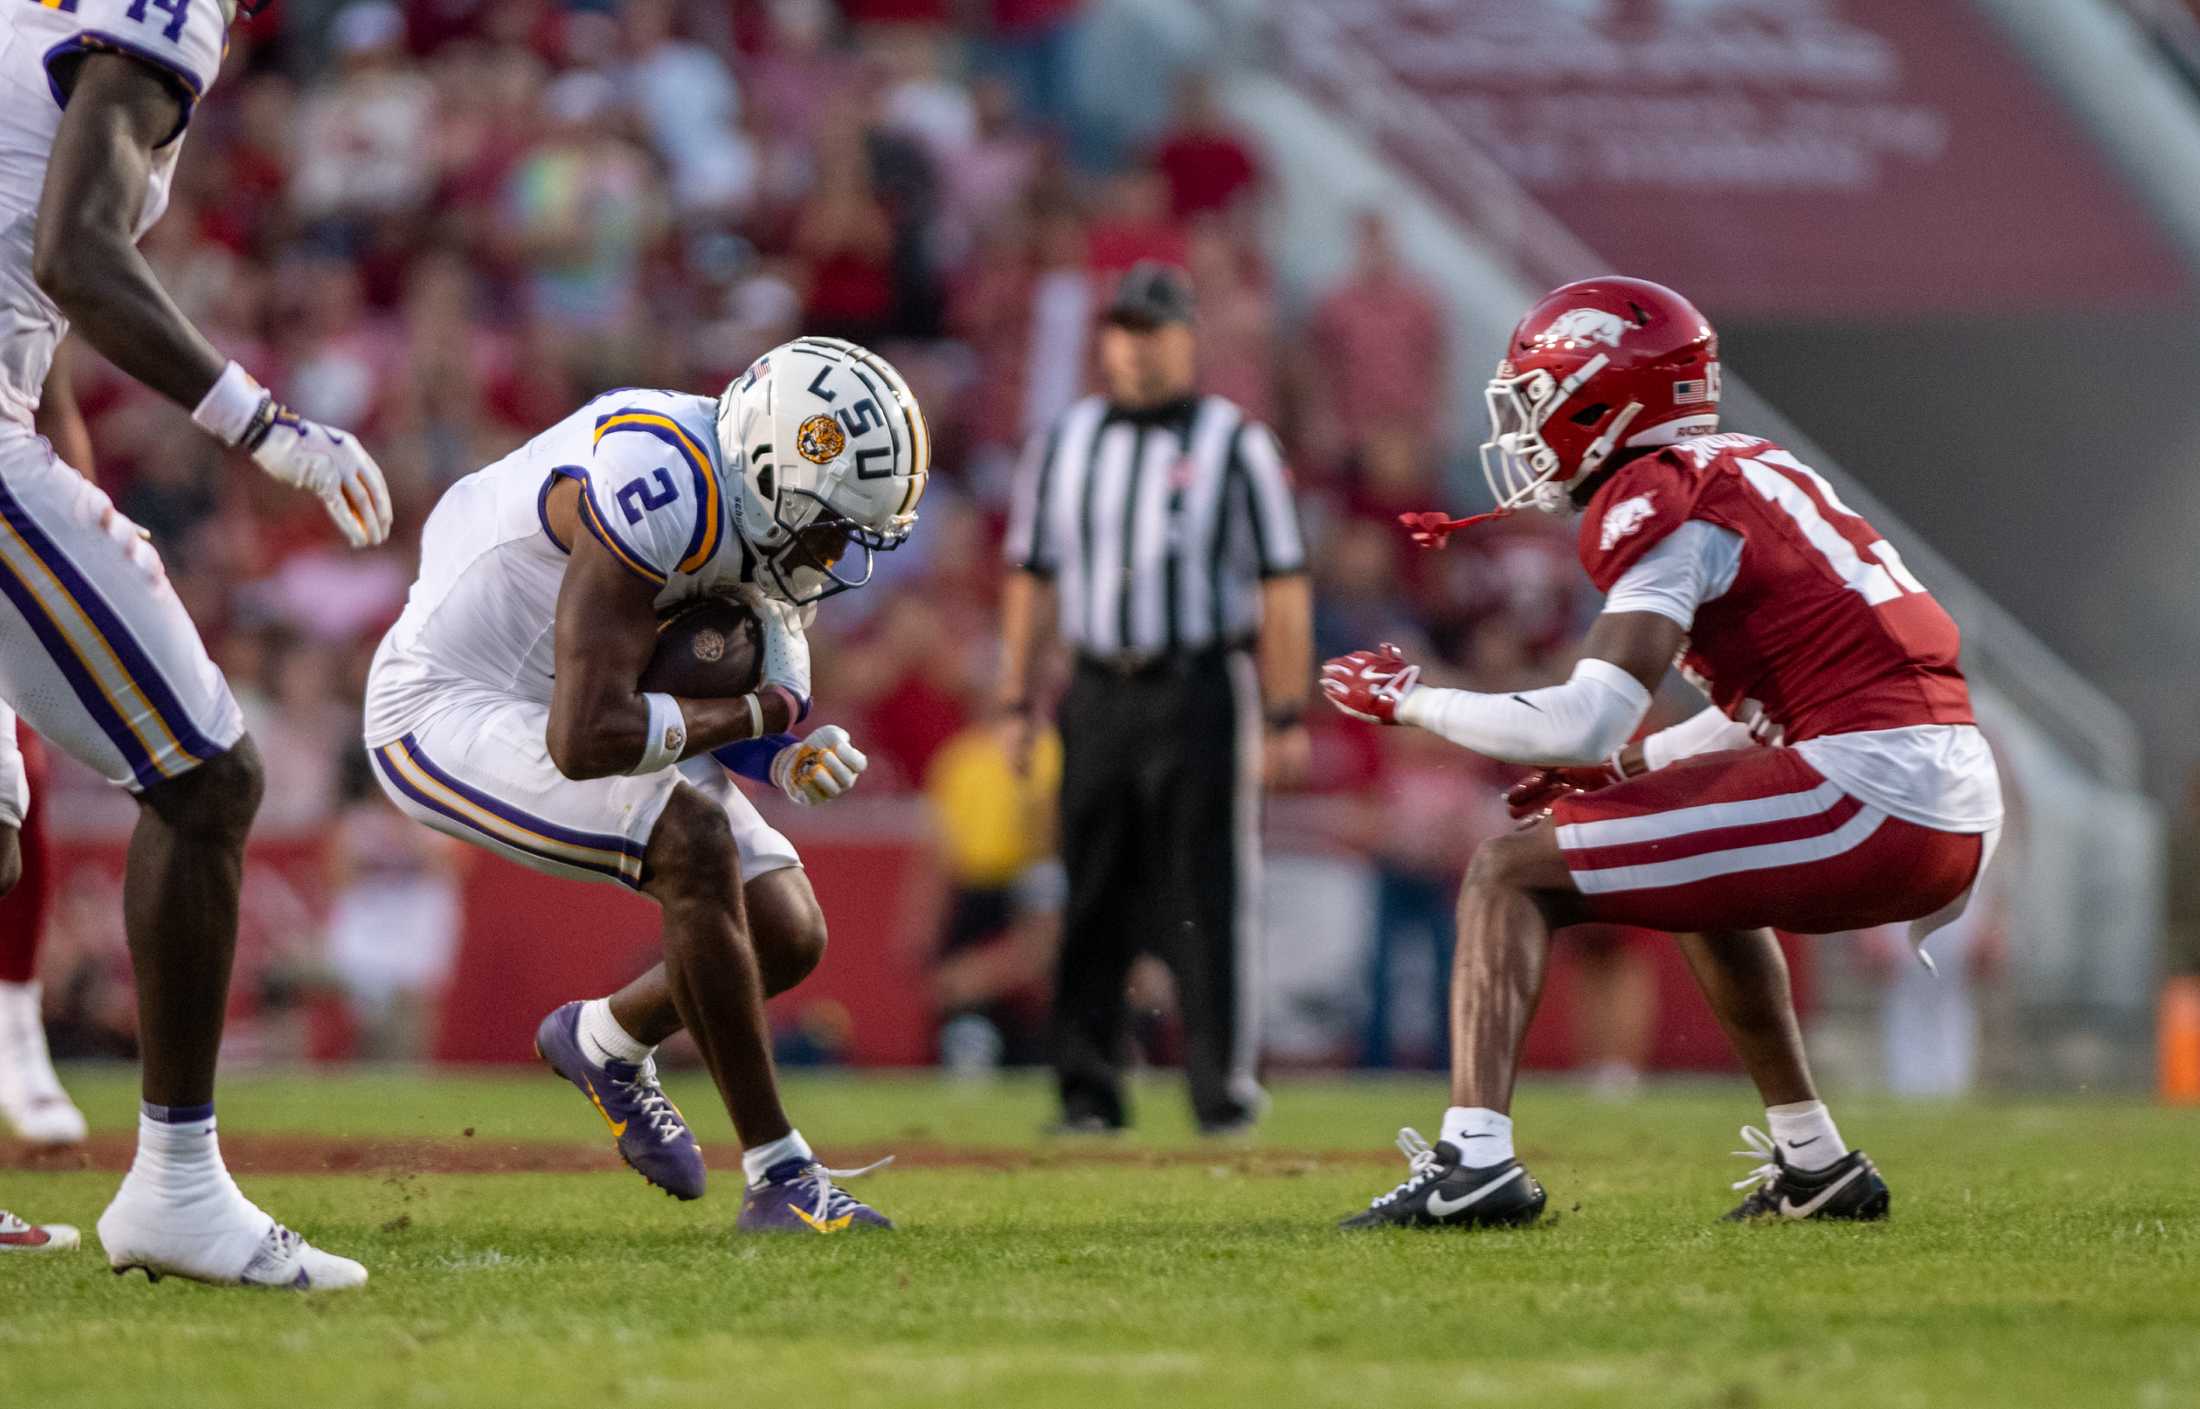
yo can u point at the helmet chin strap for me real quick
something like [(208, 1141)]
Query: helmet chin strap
[(1433, 529)]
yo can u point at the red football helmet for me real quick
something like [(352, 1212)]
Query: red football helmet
[(1596, 366)]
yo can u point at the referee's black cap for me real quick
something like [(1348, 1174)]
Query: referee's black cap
[(1150, 296)]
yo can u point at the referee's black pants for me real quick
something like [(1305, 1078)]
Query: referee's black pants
[(1160, 839)]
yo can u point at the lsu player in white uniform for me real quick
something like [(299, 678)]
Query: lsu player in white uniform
[(95, 649), (505, 708)]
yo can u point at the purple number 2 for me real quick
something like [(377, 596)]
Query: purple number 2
[(637, 499)]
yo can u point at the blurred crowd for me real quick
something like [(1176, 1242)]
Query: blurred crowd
[(445, 223)]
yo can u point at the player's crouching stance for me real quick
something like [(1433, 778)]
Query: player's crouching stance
[(1837, 782), (505, 708)]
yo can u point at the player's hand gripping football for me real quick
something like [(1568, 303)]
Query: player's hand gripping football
[(819, 768), (326, 463), (1370, 685), (1532, 796)]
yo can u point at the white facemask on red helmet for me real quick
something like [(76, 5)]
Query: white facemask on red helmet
[(1597, 366)]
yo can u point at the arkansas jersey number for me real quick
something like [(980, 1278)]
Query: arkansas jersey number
[(1879, 578)]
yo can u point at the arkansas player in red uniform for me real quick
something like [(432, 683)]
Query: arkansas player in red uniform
[(1836, 782)]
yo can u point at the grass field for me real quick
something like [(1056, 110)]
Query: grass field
[(2041, 1253)]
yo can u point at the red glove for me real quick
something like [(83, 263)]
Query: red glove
[(1370, 685), (1533, 795)]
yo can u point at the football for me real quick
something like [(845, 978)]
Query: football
[(708, 649)]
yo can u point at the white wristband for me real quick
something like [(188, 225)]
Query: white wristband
[(230, 405), (667, 737), (756, 716)]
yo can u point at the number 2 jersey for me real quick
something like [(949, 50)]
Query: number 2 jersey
[(482, 616), (1803, 622), (182, 40)]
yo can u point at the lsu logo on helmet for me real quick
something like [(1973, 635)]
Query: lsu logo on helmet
[(821, 440), (1586, 325)]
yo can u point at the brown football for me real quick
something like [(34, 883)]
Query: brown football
[(708, 649)]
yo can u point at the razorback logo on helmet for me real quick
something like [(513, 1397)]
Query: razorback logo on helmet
[(1625, 517), (1587, 325)]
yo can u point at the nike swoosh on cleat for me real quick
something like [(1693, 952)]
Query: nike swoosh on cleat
[(1790, 1209), (1529, 703), (824, 1225), (618, 1127), (1441, 1207)]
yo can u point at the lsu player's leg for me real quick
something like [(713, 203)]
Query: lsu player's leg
[(480, 770), (717, 982), (101, 659), (787, 929), (607, 1046), (694, 874)]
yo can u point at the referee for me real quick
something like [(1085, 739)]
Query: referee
[(1154, 529)]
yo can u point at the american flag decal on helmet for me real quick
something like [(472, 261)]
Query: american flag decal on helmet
[(1703, 391)]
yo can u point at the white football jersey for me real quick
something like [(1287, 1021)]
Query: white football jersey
[(183, 38), (482, 616)]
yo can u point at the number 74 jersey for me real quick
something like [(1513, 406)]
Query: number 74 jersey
[(1822, 629), (41, 42)]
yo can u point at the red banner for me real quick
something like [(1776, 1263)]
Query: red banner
[(533, 942), (1818, 158)]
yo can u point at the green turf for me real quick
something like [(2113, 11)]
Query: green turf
[(2042, 1254)]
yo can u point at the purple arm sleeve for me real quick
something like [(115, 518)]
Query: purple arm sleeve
[(752, 758)]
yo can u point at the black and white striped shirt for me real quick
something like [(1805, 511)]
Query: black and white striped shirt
[(1155, 526)]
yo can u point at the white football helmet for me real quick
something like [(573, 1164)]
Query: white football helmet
[(833, 456)]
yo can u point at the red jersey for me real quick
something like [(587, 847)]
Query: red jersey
[(1823, 631)]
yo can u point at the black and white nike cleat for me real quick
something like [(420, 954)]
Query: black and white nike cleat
[(1850, 1188), (1440, 1192)]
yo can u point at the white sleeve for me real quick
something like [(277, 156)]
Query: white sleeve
[(651, 495), (1693, 564), (1581, 721), (183, 39), (1706, 732)]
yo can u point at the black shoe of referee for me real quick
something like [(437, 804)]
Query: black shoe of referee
[(1440, 1192), (1850, 1188)]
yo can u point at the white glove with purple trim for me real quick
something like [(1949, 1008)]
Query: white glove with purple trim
[(332, 466)]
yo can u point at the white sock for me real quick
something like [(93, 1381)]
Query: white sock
[(603, 1040), (1805, 1133), (791, 1145), (1482, 1137), (179, 1158)]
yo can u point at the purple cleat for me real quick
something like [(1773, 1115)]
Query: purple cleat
[(798, 1196), (653, 1136)]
